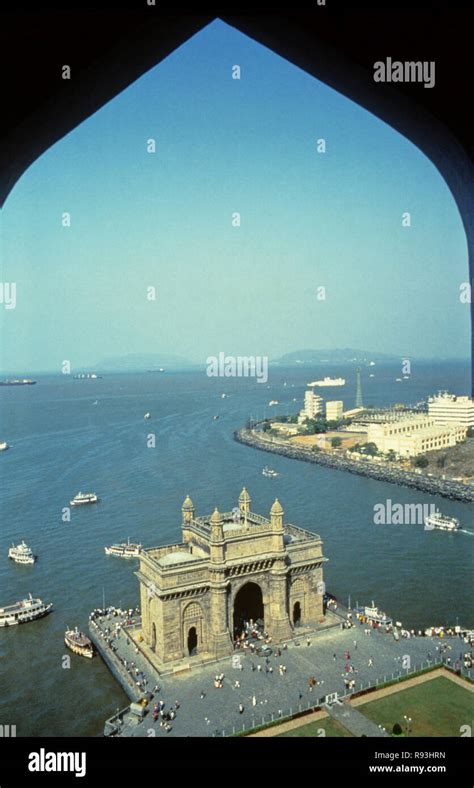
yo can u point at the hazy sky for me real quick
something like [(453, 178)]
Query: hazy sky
[(164, 220)]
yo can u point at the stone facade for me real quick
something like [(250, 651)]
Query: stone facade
[(229, 568)]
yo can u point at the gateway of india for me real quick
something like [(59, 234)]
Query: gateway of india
[(229, 568)]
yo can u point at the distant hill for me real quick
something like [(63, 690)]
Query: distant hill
[(338, 356), (143, 361)]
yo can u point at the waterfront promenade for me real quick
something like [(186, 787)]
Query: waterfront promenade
[(256, 691), (383, 472)]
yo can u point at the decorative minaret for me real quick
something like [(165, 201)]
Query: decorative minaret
[(217, 541), (278, 610), (187, 510), (221, 641), (244, 502), (276, 519)]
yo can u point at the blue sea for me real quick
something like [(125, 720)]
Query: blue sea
[(68, 435)]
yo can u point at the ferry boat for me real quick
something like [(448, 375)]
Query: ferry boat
[(269, 472), (83, 498), (23, 611), (79, 643), (21, 554), (4, 446), (373, 614), (124, 549), (328, 382), (18, 382), (442, 522)]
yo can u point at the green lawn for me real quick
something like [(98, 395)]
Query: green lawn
[(438, 708), (330, 727)]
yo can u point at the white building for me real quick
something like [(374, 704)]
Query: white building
[(334, 410), (313, 406), (446, 408), (414, 435)]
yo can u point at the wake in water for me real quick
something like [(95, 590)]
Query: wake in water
[(465, 531)]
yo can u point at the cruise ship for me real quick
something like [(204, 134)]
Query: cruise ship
[(83, 498), (21, 554), (124, 550), (442, 522), (328, 382), (25, 610), (79, 643)]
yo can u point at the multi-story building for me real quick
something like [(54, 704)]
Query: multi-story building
[(334, 410), (446, 408), (413, 435), (313, 406)]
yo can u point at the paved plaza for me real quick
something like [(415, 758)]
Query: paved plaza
[(256, 690)]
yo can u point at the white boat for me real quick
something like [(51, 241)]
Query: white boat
[(371, 375), (328, 382), (223, 396), (147, 415), (398, 380), (82, 498), (79, 643), (273, 402), (373, 613), (442, 522), (21, 554), (23, 611), (4, 446), (269, 472), (124, 550)]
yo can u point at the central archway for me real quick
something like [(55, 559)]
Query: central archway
[(248, 604)]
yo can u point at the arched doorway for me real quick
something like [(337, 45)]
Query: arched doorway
[(296, 614), (248, 604), (153, 637), (192, 641)]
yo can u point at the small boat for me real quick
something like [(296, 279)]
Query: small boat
[(124, 550), (23, 611), (375, 615), (273, 402), (441, 522), (147, 415), (79, 643), (82, 498), (398, 380), (371, 375), (223, 396), (21, 554), (269, 472), (4, 446), (215, 418)]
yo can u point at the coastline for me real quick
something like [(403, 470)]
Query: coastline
[(432, 485)]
